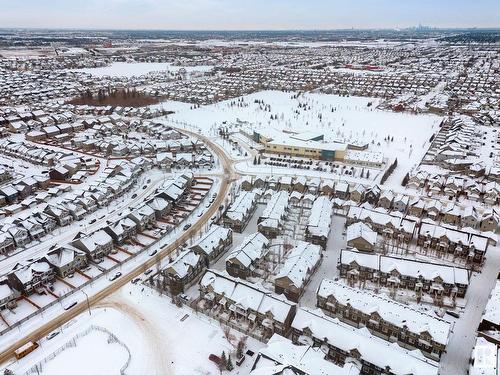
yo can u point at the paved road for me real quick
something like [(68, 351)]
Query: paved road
[(462, 339), (50, 326)]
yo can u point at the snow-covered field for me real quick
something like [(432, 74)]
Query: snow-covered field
[(160, 338), (340, 119), (123, 69)]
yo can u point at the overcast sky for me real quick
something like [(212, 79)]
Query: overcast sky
[(247, 14)]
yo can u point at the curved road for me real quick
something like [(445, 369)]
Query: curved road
[(48, 327)]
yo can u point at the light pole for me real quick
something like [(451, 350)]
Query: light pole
[(88, 303)]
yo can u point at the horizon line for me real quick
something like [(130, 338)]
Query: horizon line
[(414, 28)]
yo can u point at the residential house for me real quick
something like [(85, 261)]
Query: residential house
[(299, 265), (31, 277), (213, 243), (96, 245), (319, 221), (385, 318), (183, 270), (66, 260), (239, 301), (243, 260)]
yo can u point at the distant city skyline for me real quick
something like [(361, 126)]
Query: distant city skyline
[(248, 14)]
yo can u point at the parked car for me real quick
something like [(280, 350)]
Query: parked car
[(154, 252), (51, 335), (187, 226), (453, 314), (69, 306), (115, 276)]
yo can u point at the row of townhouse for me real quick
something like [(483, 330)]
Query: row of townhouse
[(238, 301), (158, 130), (19, 189), (121, 144), (59, 131), (459, 215), (343, 344), (300, 184), (270, 222), (240, 211), (34, 276), (8, 295), (295, 198), (486, 191), (397, 273), (383, 223), (384, 317), (466, 243), (96, 245), (300, 263), (18, 232), (360, 236), (27, 113), (35, 154), (281, 356), (189, 264), (192, 159)]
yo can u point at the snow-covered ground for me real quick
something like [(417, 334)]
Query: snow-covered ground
[(123, 69), (340, 119), (162, 338)]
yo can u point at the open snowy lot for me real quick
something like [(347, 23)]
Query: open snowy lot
[(340, 119), (160, 337), (123, 69)]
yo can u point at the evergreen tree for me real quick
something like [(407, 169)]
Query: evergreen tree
[(230, 366), (223, 361)]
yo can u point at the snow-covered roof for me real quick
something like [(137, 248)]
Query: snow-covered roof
[(276, 206), (211, 239), (241, 205), (372, 349), (299, 262), (361, 230), (252, 248), (407, 267), (320, 219), (389, 310), (181, 265), (247, 295), (492, 309), (282, 357)]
